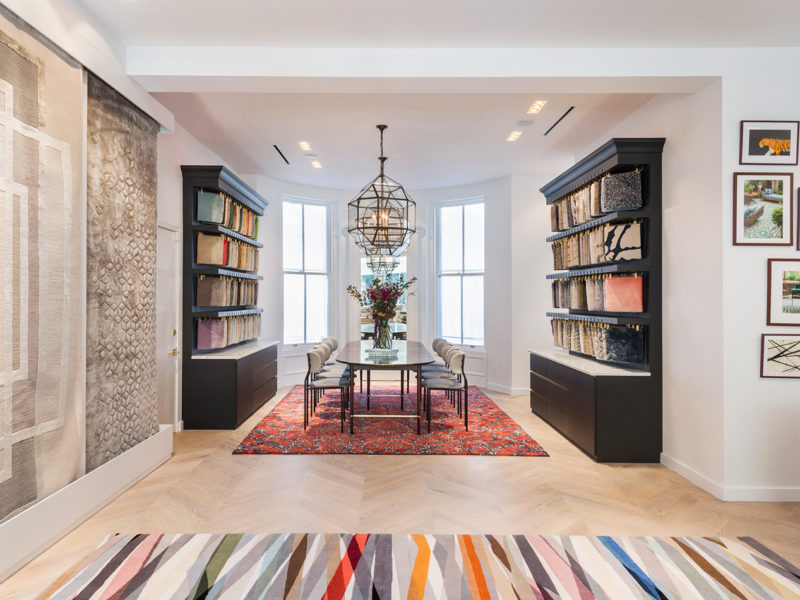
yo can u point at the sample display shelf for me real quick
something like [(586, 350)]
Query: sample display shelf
[(224, 386), (612, 412)]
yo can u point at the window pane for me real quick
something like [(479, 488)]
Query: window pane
[(293, 309), (473, 310), (450, 307), (316, 307), (473, 237), (450, 231), (292, 236), (316, 238)]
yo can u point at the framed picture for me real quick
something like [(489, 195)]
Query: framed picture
[(780, 355), (783, 291), (768, 142), (762, 209)]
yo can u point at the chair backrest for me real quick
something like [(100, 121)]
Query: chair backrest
[(448, 354), (324, 350), (436, 343), (330, 343), (335, 343), (314, 361), (456, 363), (441, 348)]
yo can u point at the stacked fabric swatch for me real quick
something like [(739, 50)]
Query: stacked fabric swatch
[(611, 343), (221, 209), (226, 291), (614, 192), (224, 251), (600, 293), (608, 243), (220, 332)]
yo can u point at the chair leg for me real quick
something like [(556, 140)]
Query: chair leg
[(466, 409), (429, 412), (361, 381), (369, 383)]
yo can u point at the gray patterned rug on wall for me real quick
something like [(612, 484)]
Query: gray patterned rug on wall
[(41, 244), (121, 406)]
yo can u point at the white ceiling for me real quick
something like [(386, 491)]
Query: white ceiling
[(433, 140), (452, 23)]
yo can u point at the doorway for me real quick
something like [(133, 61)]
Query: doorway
[(167, 319)]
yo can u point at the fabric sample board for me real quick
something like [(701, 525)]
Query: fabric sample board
[(623, 294)]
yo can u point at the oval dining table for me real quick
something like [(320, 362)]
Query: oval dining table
[(410, 357)]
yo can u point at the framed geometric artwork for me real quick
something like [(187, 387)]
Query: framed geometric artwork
[(780, 355), (768, 142), (783, 291), (762, 209)]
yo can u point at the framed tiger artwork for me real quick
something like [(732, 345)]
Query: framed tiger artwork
[(768, 142)]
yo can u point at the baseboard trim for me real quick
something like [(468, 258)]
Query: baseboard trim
[(507, 389), (34, 530), (730, 493)]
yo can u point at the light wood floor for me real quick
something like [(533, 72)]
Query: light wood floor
[(204, 488)]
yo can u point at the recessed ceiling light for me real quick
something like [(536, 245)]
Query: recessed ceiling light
[(536, 107), (304, 146), (316, 164), (513, 136)]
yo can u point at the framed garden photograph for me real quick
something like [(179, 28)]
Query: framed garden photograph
[(762, 209), (768, 142), (783, 291), (780, 355)]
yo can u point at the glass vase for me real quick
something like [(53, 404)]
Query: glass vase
[(383, 334)]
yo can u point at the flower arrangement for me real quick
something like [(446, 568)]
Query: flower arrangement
[(382, 297)]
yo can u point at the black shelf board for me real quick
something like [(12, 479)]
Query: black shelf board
[(615, 217), (631, 266), (618, 154), (601, 313), (220, 179), (224, 272), (598, 318), (215, 228), (225, 311)]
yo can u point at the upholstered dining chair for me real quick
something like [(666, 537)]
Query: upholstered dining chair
[(453, 384), (315, 383)]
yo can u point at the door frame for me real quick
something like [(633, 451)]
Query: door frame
[(176, 240)]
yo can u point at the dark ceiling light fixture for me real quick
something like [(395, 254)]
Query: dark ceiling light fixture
[(569, 110), (278, 150), (382, 217), (382, 264)]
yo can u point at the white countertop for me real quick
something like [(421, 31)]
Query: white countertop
[(236, 352), (588, 366)]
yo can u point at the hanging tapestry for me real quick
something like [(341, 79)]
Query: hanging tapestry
[(121, 406), (41, 243)]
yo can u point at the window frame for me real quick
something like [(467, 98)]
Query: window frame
[(303, 202), (462, 273)]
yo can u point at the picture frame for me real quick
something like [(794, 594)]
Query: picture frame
[(783, 291), (762, 209), (768, 142), (780, 355)]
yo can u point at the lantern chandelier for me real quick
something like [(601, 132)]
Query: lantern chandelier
[(382, 264), (381, 218)]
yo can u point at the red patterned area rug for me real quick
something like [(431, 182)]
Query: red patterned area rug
[(491, 431)]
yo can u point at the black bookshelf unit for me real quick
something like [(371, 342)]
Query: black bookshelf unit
[(222, 386), (611, 411)]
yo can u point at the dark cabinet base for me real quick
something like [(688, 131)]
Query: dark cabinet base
[(611, 418), (221, 393)]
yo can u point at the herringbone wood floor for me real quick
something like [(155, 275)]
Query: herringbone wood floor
[(204, 488)]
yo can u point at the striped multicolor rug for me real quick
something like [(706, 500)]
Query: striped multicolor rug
[(364, 566)]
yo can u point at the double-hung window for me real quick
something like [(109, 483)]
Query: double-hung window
[(460, 261), (306, 276)]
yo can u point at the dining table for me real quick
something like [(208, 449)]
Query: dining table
[(411, 356)]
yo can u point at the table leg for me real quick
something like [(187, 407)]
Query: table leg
[(369, 373), (402, 381), (419, 398), (351, 400)]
